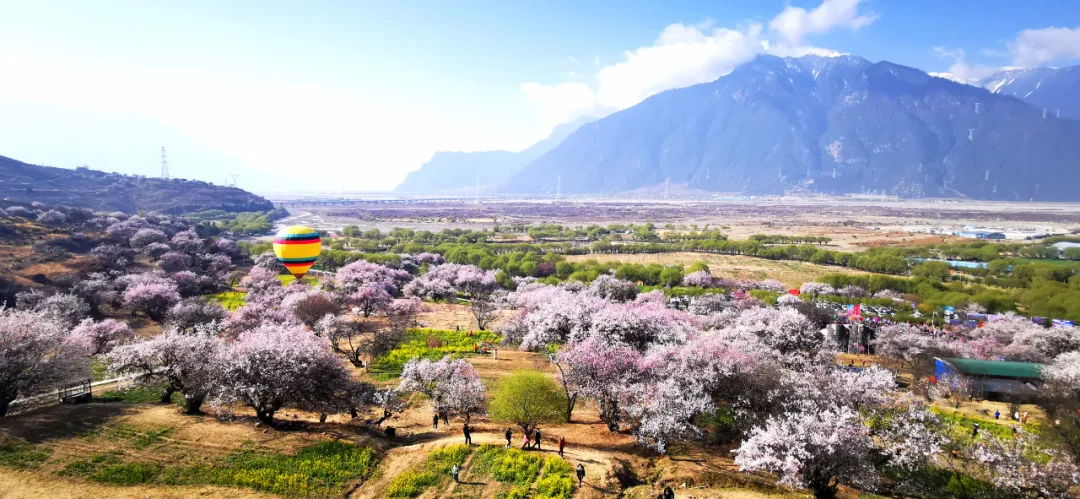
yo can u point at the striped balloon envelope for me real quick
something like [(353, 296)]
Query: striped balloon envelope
[(297, 247)]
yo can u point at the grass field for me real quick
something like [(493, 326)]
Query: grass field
[(430, 344), (791, 273), (231, 300)]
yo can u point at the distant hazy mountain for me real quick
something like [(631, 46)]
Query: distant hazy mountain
[(455, 172), (1050, 88), (98, 190), (834, 125)]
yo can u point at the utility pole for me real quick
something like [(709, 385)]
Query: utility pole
[(558, 187), (164, 166)]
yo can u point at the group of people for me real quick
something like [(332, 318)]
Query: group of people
[(533, 442)]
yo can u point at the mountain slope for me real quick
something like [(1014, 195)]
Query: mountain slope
[(834, 125), (447, 172), (1051, 88), (99, 190)]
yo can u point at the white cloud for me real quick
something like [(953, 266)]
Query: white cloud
[(796, 23), (681, 57), (1033, 47), (960, 70), (562, 102), (685, 55), (571, 59)]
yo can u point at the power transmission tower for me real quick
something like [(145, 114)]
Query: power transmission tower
[(164, 165), (233, 175), (477, 188), (971, 134), (558, 187)]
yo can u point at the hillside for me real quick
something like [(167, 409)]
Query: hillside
[(833, 125), (97, 190), (455, 172), (1051, 88)]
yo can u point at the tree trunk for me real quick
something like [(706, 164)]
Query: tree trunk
[(322, 417), (193, 403), (166, 396), (5, 404), (570, 402), (354, 359), (266, 416)]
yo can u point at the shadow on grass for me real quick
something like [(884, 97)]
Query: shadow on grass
[(63, 421)]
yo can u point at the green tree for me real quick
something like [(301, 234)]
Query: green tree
[(528, 398), (671, 276), (931, 270), (350, 230)]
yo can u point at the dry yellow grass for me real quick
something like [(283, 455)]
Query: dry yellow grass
[(792, 273)]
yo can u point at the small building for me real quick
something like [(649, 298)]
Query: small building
[(981, 234), (992, 377)]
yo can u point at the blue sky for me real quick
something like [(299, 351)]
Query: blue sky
[(353, 95)]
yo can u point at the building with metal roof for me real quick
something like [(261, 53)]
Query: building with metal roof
[(992, 376), (981, 234)]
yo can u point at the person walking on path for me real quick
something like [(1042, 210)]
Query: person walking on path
[(536, 438), (525, 441), (454, 472), (562, 443), (508, 434), (468, 434), (997, 414), (580, 474), (435, 421)]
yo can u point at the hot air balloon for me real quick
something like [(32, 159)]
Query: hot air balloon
[(297, 247)]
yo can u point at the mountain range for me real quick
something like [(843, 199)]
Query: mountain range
[(1055, 89), (835, 125), (456, 172), (97, 190)]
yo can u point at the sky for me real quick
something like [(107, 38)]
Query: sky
[(351, 95)]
